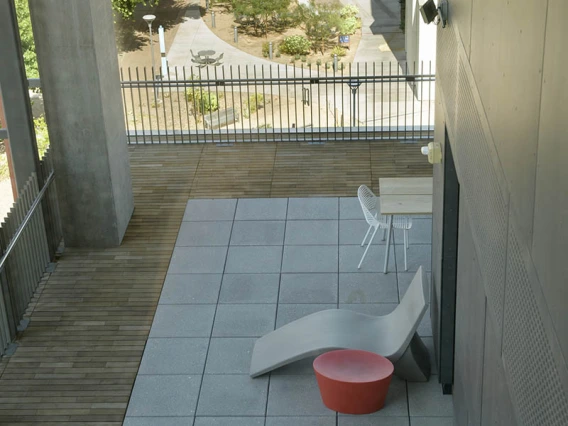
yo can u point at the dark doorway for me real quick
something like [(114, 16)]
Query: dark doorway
[(447, 302)]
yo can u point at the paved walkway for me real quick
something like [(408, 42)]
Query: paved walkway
[(239, 269)]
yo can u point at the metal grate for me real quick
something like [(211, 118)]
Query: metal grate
[(486, 204), (536, 388)]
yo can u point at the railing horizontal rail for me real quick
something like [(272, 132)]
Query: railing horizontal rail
[(237, 104)]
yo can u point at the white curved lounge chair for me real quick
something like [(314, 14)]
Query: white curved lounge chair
[(392, 336)]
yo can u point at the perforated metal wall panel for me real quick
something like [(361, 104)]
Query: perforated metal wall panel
[(446, 64), (536, 388), (487, 209)]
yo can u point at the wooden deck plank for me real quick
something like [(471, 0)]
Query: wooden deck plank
[(77, 361)]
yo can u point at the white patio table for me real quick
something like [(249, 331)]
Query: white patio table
[(404, 196)]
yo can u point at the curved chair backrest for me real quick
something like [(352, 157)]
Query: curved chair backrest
[(407, 315), (370, 206)]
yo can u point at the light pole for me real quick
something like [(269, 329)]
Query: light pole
[(149, 19), (354, 85)]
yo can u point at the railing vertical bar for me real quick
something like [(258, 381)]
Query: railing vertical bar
[(138, 89), (196, 106), (241, 103), (8, 277), (303, 112), (288, 104), (169, 87), (25, 241), (218, 101), (281, 125), (132, 103), (148, 106), (405, 88), (256, 105), (124, 105), (374, 121), (412, 98), (15, 261), (178, 103), (421, 65), (237, 117), (429, 100), (295, 84), (21, 252), (40, 220), (264, 103), (335, 109), (273, 124), (312, 121)]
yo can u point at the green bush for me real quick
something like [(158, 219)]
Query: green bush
[(339, 51), (42, 136), (303, 58), (255, 101), (278, 54), (203, 100), (297, 57), (349, 11), (318, 62), (349, 25), (327, 66), (265, 49), (295, 45)]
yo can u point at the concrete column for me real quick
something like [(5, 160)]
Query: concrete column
[(78, 66)]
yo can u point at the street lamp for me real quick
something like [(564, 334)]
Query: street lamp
[(149, 19), (354, 85)]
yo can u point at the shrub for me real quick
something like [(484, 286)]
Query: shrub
[(297, 57), (295, 45), (255, 101), (349, 11), (327, 65), (339, 51), (265, 126), (265, 49), (309, 64), (349, 25), (203, 100), (318, 62), (278, 54), (303, 58)]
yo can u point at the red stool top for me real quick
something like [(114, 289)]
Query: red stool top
[(353, 366)]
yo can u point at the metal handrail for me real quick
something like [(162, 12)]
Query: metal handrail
[(27, 218)]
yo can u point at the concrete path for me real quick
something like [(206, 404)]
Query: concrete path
[(194, 35), (382, 39)]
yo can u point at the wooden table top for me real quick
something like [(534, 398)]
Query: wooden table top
[(406, 196), (400, 186)]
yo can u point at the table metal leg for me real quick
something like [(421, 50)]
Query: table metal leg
[(389, 232)]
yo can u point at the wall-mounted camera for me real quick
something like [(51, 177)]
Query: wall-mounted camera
[(432, 13)]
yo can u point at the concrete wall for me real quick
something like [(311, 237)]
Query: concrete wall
[(503, 95), (79, 73)]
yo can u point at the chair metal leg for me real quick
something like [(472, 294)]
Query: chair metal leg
[(405, 264), (406, 239), (384, 234), (367, 249), (389, 233), (366, 235)]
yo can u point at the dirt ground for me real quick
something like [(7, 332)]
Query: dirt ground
[(224, 23)]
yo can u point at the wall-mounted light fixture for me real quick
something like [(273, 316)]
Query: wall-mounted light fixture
[(433, 151), (431, 13)]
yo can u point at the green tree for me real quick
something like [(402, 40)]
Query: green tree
[(320, 21), (262, 13), (27, 38), (126, 7)]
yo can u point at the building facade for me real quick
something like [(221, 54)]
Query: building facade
[(502, 107)]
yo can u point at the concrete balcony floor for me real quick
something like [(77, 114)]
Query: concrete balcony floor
[(93, 317)]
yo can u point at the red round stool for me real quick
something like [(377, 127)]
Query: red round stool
[(353, 382)]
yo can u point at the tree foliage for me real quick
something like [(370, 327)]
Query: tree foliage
[(321, 22), (27, 38), (126, 7), (262, 14)]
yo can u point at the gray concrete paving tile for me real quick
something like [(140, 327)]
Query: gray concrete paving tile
[(164, 396), (351, 232), (254, 259), (249, 288), (310, 259), (303, 366), (297, 395), (229, 355), (367, 288), (308, 288), (229, 421), (180, 289), (158, 421), (417, 255), (197, 260), (366, 420), (427, 400), (193, 234), (258, 233), (349, 257), (233, 395), (261, 209), (174, 356), (183, 321), (311, 232), (350, 208), (210, 210), (244, 320), (301, 421), (313, 208), (291, 312), (420, 233), (432, 421), (396, 404)]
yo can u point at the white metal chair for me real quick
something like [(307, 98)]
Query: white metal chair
[(370, 205), (404, 223)]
